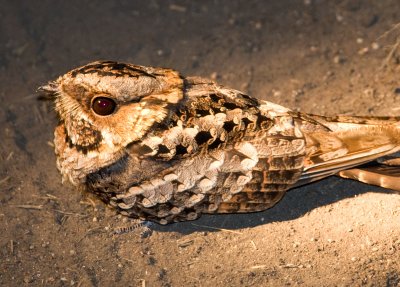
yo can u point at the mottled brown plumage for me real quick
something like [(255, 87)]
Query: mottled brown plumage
[(159, 146)]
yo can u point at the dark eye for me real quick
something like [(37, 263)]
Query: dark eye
[(103, 106)]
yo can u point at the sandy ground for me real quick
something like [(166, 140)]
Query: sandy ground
[(325, 57)]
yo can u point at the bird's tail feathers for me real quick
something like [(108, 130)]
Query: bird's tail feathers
[(348, 142)]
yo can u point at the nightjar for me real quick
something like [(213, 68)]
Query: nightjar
[(163, 147)]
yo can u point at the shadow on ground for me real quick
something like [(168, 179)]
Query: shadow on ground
[(296, 203)]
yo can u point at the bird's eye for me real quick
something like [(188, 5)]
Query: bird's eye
[(103, 106)]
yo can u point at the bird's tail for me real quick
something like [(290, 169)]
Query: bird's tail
[(343, 145)]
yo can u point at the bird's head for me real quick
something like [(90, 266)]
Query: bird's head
[(105, 106)]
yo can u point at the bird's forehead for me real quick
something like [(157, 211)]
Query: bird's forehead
[(121, 87), (109, 68)]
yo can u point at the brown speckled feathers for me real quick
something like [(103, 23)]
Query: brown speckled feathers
[(159, 146)]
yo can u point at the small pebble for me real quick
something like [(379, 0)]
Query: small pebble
[(363, 51), (339, 59), (258, 25), (375, 46)]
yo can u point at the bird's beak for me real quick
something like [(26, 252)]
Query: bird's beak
[(49, 91)]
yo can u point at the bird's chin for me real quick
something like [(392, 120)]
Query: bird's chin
[(75, 164)]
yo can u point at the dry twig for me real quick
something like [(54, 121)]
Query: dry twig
[(29, 206), (216, 228)]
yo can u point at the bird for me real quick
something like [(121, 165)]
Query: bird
[(159, 146)]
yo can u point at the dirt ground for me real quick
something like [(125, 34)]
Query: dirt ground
[(318, 56)]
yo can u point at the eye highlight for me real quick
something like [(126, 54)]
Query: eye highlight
[(103, 106)]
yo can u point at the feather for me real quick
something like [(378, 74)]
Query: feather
[(346, 145), (381, 175)]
